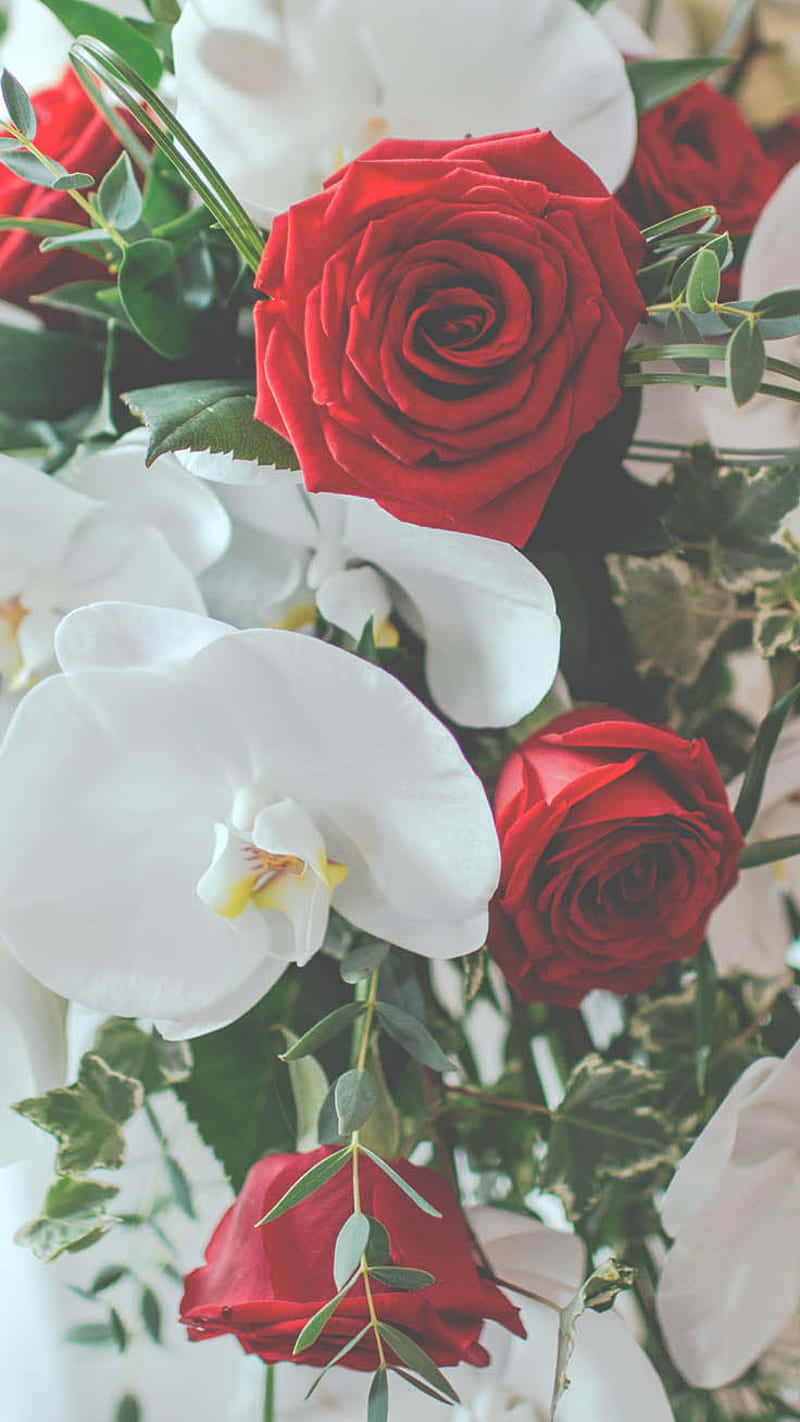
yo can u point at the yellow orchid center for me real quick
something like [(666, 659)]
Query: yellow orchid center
[(265, 885), (12, 615)]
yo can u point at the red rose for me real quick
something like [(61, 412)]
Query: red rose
[(447, 321), (782, 144), (263, 1284), (695, 149), (617, 842), (69, 129)]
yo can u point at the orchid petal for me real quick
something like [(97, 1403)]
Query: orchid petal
[(502, 68), (165, 495), (350, 597)]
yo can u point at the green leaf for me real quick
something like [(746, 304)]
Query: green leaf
[(413, 1035), (74, 1214), (402, 1184), (379, 1245), (749, 798), (328, 1132), (598, 1293), (382, 1131), (704, 1005), (46, 375), (365, 646), (421, 1386), (378, 1398), (95, 299), (769, 851), (413, 1356), (323, 1031), (406, 1279), (351, 1242), (82, 18), (155, 1062), (702, 288), (313, 1178), (150, 1310), (18, 105), (69, 182), (355, 1097), (310, 1332), (165, 12), (215, 415), (118, 197), (610, 1126), (150, 296), (119, 1332), (180, 1187), (84, 239), (399, 984), (745, 362), (43, 226), (337, 1358), (128, 1409), (69, 1196), (737, 512), (673, 613), (31, 169), (361, 962), (310, 1090), (106, 1277), (90, 1333), (85, 1118), (679, 221), (778, 313), (655, 80)]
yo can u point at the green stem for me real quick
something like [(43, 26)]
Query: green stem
[(53, 169), (636, 378), (268, 1414), (355, 1142)]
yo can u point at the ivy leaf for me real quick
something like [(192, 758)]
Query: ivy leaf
[(86, 1118), (674, 615), (18, 105), (739, 512), (215, 415), (74, 1215), (609, 1127), (155, 1062)]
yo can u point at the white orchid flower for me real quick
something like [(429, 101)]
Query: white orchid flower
[(319, 81), (60, 549), (486, 615), (611, 1378), (166, 496), (750, 931), (199, 797), (732, 1278), (33, 1057)]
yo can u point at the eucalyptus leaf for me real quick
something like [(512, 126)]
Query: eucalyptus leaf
[(413, 1356), (150, 1310), (32, 169), (310, 1332), (702, 288), (378, 1398), (402, 1184), (379, 1245), (351, 1242), (405, 1279), (19, 107), (181, 1189), (68, 182), (355, 1096), (680, 220), (323, 1031), (361, 962), (317, 1175), (118, 197), (337, 1357), (413, 1035), (90, 1334), (128, 1409), (745, 362)]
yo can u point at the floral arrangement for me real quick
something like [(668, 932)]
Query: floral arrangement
[(399, 749)]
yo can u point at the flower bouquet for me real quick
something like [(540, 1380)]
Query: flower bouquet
[(399, 758)]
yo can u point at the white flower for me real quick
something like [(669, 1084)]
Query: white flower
[(612, 1380), (34, 1051), (279, 92), (750, 932), (732, 1278), (187, 800), (60, 549), (486, 615)]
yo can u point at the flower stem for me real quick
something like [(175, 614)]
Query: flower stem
[(84, 203), (269, 1393), (361, 1062), (504, 1103)]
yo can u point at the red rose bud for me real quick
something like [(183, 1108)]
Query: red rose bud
[(617, 842), (262, 1284), (696, 149), (447, 320), (70, 130)]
